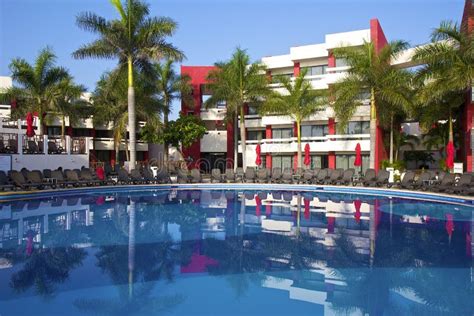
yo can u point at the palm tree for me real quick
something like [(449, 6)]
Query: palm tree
[(110, 104), (135, 39), (68, 103), (237, 82), (36, 84), (299, 101), (171, 87), (371, 71), (448, 66)]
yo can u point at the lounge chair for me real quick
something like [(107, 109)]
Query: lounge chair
[(335, 176), (19, 181), (287, 176), (109, 171), (263, 175), (229, 175), (182, 176), (73, 178), (407, 181), (322, 176), (162, 176), (276, 175), (87, 176), (196, 176), (299, 174), (347, 176), (368, 179), (32, 147), (250, 175), (53, 148), (307, 177), (136, 177), (216, 176), (464, 183), (240, 174), (148, 175), (382, 179), (60, 180), (5, 182), (46, 173), (123, 177), (36, 176), (424, 181), (445, 185)]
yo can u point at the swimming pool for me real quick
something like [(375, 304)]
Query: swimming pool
[(232, 252)]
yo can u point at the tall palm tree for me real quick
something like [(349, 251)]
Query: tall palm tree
[(36, 84), (238, 82), (110, 103), (371, 71), (448, 66), (135, 39), (68, 103), (171, 87), (299, 101)]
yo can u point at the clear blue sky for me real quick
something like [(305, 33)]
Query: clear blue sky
[(209, 30)]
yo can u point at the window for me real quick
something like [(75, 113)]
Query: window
[(341, 62), (282, 133), (361, 127), (314, 130), (253, 110), (319, 161), (282, 162), (316, 70), (54, 131), (254, 135), (347, 162), (102, 133), (275, 78)]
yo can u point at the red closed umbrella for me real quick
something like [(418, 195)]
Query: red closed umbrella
[(306, 208), (30, 132), (307, 157), (258, 150), (258, 207), (357, 204), (331, 222), (450, 155), (358, 159)]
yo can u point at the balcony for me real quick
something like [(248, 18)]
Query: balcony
[(103, 143), (323, 144), (215, 114), (214, 142)]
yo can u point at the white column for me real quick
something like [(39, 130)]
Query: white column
[(68, 145), (45, 144)]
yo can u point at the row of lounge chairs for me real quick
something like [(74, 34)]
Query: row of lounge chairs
[(442, 182), (306, 176), (36, 179)]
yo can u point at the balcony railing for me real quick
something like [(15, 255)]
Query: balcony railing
[(317, 144), (21, 144)]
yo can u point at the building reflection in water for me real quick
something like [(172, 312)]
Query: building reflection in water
[(345, 253)]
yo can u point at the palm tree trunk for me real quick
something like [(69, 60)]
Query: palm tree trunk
[(131, 115), (391, 139), (63, 127), (165, 147), (373, 128), (127, 154), (298, 131), (451, 137), (236, 140), (243, 136), (117, 151)]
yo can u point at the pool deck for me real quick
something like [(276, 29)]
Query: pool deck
[(392, 192)]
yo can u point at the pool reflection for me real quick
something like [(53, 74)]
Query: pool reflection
[(343, 253)]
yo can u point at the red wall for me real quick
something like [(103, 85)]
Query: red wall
[(377, 37), (296, 69), (268, 135), (331, 154), (198, 75)]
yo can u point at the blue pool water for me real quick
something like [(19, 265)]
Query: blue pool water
[(226, 252)]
